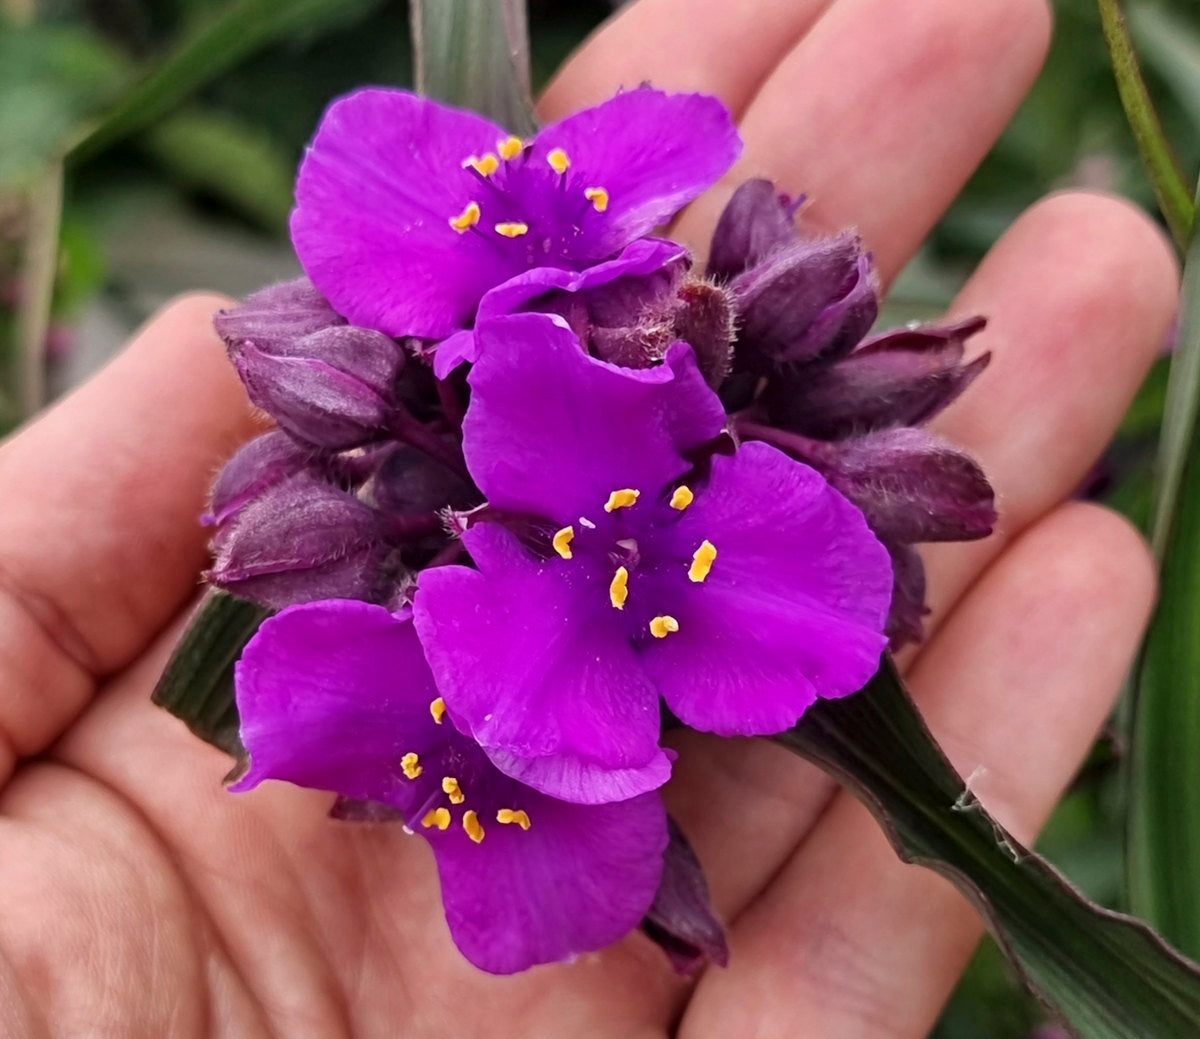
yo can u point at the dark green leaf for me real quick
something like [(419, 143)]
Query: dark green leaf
[(197, 686), (1174, 195), (475, 54), (219, 43), (1106, 975), (1164, 836)]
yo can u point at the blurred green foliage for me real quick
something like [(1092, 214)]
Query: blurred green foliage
[(202, 108)]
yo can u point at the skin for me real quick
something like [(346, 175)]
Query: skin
[(137, 898)]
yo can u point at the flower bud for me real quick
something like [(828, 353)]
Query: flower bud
[(276, 316), (332, 388), (902, 378), (756, 222), (256, 467), (682, 921), (298, 541), (811, 298), (906, 621)]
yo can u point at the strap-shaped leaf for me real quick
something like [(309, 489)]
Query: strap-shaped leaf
[(197, 686), (1107, 976), (475, 54)]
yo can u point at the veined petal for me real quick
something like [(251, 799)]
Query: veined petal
[(331, 696), (552, 432), (581, 877), (652, 152), (535, 664), (375, 194), (793, 609)]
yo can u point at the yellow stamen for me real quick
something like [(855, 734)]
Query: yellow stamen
[(702, 561), (662, 626), (562, 542), (559, 161), (510, 148), (682, 498), (598, 197), (621, 499), (439, 817), (512, 230), (485, 165), (469, 217), (472, 826), (411, 765), (452, 790), (520, 817), (438, 710), (618, 591)]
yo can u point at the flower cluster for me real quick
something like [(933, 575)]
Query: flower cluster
[(538, 483)]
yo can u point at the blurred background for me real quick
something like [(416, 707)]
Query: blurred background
[(147, 147)]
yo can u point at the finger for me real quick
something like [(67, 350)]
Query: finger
[(99, 539), (1081, 284), (1080, 296), (883, 110), (721, 49), (847, 940)]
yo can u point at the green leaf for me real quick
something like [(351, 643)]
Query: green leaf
[(1164, 823), (1174, 195), (475, 54), (1105, 975), (220, 42), (197, 686), (229, 159)]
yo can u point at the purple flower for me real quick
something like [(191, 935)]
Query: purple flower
[(337, 696), (737, 587), (408, 211)]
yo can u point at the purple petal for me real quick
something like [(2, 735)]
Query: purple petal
[(537, 667), (644, 256), (652, 152), (906, 623), (578, 879), (376, 191), (331, 696), (793, 608), (552, 432), (682, 921)]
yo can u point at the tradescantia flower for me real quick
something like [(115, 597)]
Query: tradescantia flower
[(623, 558), (408, 211), (337, 696)]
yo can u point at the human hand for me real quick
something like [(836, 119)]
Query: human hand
[(139, 898)]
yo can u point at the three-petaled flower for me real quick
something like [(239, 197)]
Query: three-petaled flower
[(408, 211), (627, 557), (336, 696)]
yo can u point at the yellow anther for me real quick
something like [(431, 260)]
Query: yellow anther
[(485, 165), (618, 590), (452, 790), (662, 626), (621, 499), (472, 826), (520, 817), (598, 197), (438, 710), (469, 217), (411, 765), (562, 541), (510, 148), (559, 161), (439, 817), (702, 561), (513, 229), (682, 498)]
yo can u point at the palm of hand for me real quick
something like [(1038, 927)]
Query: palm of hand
[(138, 898)]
